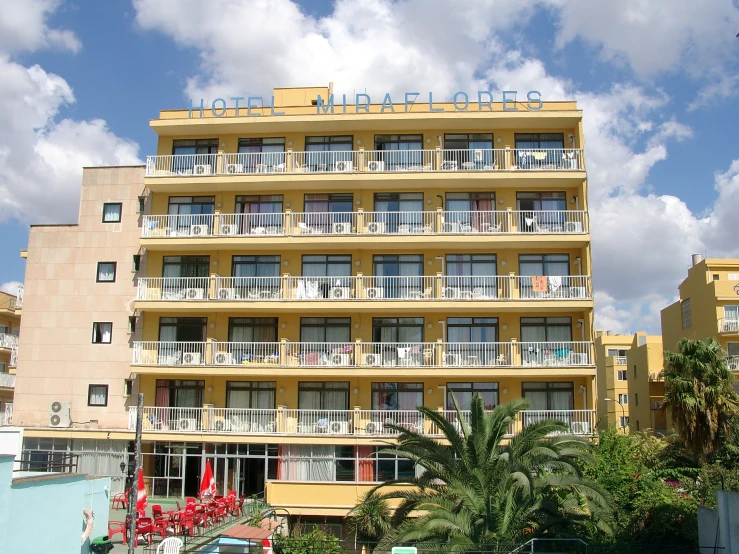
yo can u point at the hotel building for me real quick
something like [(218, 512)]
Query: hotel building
[(281, 288), (646, 385), (612, 378), (10, 321)]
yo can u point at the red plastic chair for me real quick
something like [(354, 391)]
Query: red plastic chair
[(120, 499), (116, 528)]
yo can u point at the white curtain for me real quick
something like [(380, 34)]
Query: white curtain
[(106, 272), (113, 212), (97, 395)]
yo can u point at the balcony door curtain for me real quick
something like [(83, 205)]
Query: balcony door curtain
[(396, 209), (731, 313), (323, 396), (308, 463), (113, 213), (471, 209), (403, 274), (259, 212)]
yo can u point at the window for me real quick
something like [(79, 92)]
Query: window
[(715, 277), (472, 141), (132, 324), (195, 146), (112, 212), (185, 266), (136, 262), (397, 329), (388, 466), (399, 211), (468, 151), (398, 142), (617, 352), (541, 211), (731, 319), (321, 463), (259, 204), (638, 427), (398, 152), (270, 144), (106, 272), (251, 394), (623, 421), (397, 396), (471, 276), (325, 329), (464, 392), (321, 153), (634, 371), (539, 140), (189, 153), (97, 395), (127, 387), (549, 396), (622, 375), (472, 329), (546, 329), (192, 205), (470, 211), (338, 143), (261, 155), (101, 333), (623, 398), (636, 398), (3, 367), (687, 319), (323, 210), (259, 214), (331, 267), (142, 204), (544, 264), (403, 275), (182, 329), (252, 329), (323, 395), (179, 393), (255, 266)]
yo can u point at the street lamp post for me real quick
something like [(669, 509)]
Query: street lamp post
[(623, 411)]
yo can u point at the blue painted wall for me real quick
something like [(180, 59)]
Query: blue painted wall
[(46, 516)]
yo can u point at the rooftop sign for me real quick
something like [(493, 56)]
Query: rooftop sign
[(461, 102)]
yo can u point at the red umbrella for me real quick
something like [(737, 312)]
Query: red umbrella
[(208, 485), (141, 502)]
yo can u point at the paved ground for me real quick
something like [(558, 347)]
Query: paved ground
[(120, 515)]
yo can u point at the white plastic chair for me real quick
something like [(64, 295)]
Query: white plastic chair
[(170, 545)]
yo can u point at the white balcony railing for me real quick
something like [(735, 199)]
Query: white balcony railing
[(561, 222), (366, 288), (733, 362), (364, 354), (14, 356), (728, 325), (621, 360), (358, 422), (8, 341), (7, 381), (367, 161), (6, 415), (19, 298)]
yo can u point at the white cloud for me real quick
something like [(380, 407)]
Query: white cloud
[(23, 27), (41, 158), (641, 241), (11, 287)]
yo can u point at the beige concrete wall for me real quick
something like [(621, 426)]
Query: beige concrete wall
[(57, 360), (648, 359)]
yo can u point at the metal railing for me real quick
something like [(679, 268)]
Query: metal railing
[(367, 161), (48, 461), (365, 288), (621, 360), (7, 381), (14, 356), (367, 223), (364, 354), (357, 422), (6, 415), (728, 325), (19, 298), (8, 341), (733, 362)]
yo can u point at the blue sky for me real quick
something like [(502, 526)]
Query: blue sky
[(657, 80)]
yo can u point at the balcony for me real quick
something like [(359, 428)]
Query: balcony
[(360, 355), (7, 381), (191, 292), (352, 423), (265, 164), (728, 326), (315, 226), (6, 415), (19, 298), (733, 362), (621, 360)]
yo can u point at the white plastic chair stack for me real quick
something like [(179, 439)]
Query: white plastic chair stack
[(170, 545)]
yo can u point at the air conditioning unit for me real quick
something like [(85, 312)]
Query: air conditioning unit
[(339, 293), (60, 414), (194, 294), (376, 227), (173, 294), (573, 227), (373, 359), (235, 168), (338, 427), (187, 424), (226, 294), (452, 227), (221, 425), (202, 169), (343, 228), (451, 359), (223, 358), (577, 358), (199, 230), (343, 166), (191, 358), (450, 292), (375, 292), (449, 165), (374, 428), (376, 166), (578, 292), (340, 359), (229, 229)]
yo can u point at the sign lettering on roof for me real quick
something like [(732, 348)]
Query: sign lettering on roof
[(252, 106)]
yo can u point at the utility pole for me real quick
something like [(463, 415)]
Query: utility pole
[(133, 492)]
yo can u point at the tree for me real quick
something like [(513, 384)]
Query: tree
[(477, 487), (370, 520), (699, 395)]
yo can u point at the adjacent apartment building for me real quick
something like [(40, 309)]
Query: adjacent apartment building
[(612, 377), (281, 288), (10, 321), (646, 385), (708, 306)]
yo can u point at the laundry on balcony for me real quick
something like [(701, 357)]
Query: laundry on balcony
[(539, 284)]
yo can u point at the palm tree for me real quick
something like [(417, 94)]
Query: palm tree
[(370, 520), (478, 488), (699, 394)]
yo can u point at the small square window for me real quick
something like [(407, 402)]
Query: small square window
[(3, 367), (112, 212), (128, 387), (97, 395), (132, 324), (715, 277), (623, 398), (106, 272), (102, 333), (142, 204), (136, 262)]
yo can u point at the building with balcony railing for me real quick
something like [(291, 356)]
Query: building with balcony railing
[(10, 319), (284, 288), (611, 351)]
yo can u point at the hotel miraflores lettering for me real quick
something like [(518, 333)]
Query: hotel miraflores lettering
[(461, 102)]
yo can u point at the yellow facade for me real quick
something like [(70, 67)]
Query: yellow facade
[(459, 251), (646, 389), (610, 358)]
